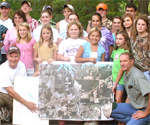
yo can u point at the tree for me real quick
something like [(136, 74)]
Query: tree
[(143, 6)]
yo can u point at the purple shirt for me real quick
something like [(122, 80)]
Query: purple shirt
[(106, 41)]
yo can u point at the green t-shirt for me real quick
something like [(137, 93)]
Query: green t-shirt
[(116, 64)]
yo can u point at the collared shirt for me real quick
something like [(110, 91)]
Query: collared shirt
[(137, 88), (33, 23)]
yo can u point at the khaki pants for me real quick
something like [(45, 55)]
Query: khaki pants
[(6, 100)]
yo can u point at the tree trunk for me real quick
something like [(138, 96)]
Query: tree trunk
[(130, 1), (143, 6)]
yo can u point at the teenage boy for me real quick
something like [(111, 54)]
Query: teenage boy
[(26, 8), (3, 31), (62, 25), (6, 21), (132, 9)]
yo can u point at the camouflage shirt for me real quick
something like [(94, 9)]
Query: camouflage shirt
[(141, 52), (107, 24)]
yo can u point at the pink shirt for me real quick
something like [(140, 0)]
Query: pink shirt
[(10, 37), (26, 50)]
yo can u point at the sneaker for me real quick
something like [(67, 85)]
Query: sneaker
[(91, 123), (107, 109)]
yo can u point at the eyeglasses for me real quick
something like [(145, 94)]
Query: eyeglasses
[(17, 18)]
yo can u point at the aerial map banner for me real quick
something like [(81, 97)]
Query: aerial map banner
[(71, 91)]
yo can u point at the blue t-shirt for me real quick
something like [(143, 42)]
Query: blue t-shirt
[(87, 50)]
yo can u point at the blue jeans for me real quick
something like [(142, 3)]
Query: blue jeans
[(124, 111)]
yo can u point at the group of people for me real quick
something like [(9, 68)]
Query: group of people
[(27, 42)]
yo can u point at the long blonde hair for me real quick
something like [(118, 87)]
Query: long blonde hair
[(29, 37), (78, 24), (48, 27)]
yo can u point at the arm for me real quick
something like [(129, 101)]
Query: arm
[(58, 41), (60, 57), (120, 73), (103, 57), (50, 60), (78, 58), (87, 39), (30, 105), (110, 49), (88, 28), (6, 41), (142, 114), (36, 58), (57, 26), (3, 36)]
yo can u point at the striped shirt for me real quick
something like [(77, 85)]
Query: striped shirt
[(3, 30)]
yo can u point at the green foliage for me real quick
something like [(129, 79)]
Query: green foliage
[(84, 8)]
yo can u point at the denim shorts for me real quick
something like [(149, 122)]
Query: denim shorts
[(119, 87)]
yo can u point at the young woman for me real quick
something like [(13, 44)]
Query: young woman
[(140, 44), (46, 17), (91, 51), (116, 26), (25, 43), (11, 34), (45, 49), (122, 44), (127, 23), (106, 40), (68, 48)]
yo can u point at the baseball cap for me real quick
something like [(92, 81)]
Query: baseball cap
[(69, 6), (101, 5), (5, 4), (23, 2), (47, 7), (13, 49)]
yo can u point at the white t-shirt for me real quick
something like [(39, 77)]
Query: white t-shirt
[(8, 74), (9, 24), (69, 47), (63, 26), (37, 33)]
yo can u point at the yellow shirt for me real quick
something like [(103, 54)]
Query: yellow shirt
[(45, 52)]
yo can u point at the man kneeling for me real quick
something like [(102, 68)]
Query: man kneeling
[(137, 111), (8, 70)]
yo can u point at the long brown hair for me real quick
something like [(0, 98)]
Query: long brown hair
[(144, 18), (50, 44), (127, 42), (29, 37), (123, 17)]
